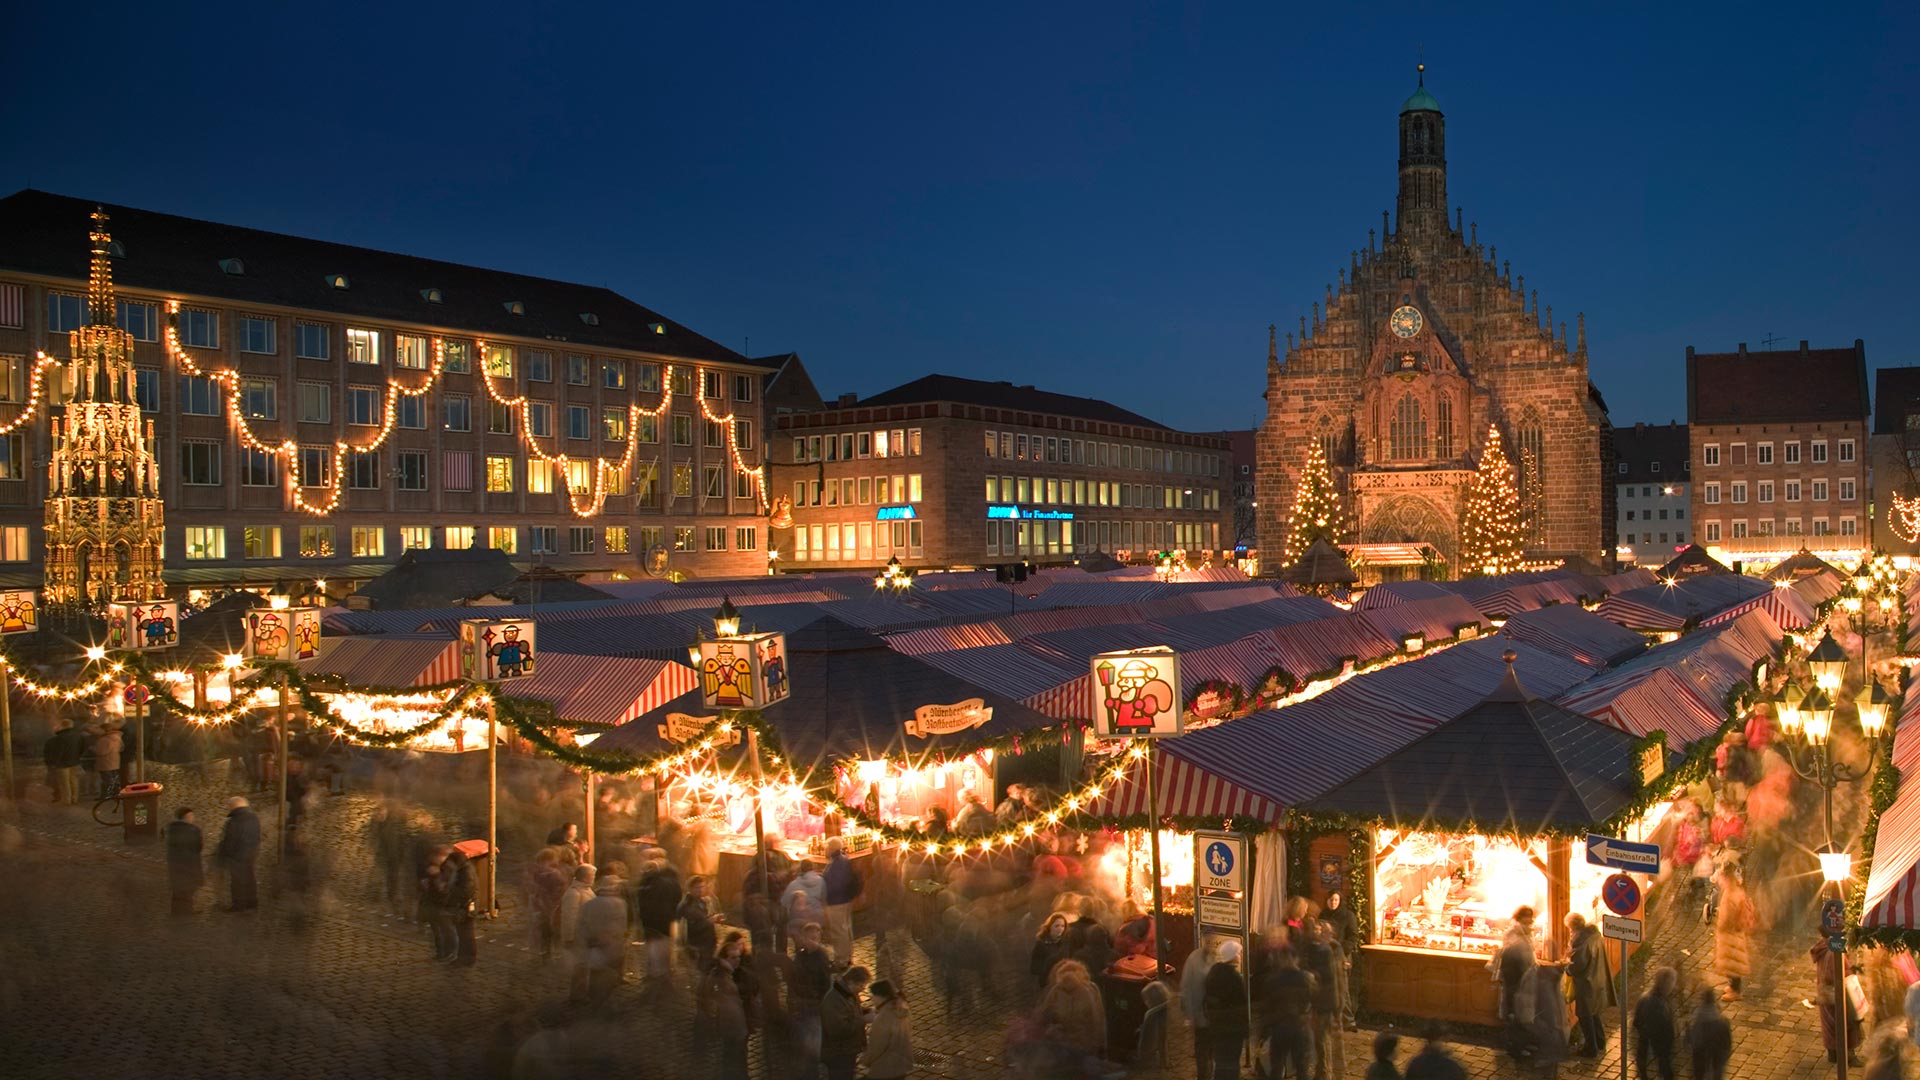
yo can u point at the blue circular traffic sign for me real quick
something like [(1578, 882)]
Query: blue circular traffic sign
[(1219, 859), (1621, 894)]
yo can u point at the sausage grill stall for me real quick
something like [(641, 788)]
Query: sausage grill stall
[(1484, 814)]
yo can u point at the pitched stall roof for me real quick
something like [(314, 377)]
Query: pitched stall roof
[(1671, 607), (1576, 632), (168, 253), (602, 689), (1792, 385), (387, 660), (1892, 899)]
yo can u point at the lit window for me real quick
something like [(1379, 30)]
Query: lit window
[(500, 361), (410, 351), (683, 381), (539, 476), (613, 425), (259, 334), (579, 476), (369, 542), (504, 538), (683, 538), (416, 537), (363, 346), (613, 374), (913, 487), (682, 480), (206, 542), (259, 397), (457, 357), (499, 473), (262, 541), (316, 541), (616, 539), (141, 321), (457, 537), (311, 342)]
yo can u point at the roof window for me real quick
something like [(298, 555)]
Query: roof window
[(590, 318), (431, 296), (658, 328), (515, 307), (336, 281), (233, 266)]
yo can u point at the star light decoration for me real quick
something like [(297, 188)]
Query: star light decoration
[(604, 470), (1903, 516)]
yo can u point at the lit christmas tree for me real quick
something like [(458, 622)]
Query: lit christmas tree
[(1317, 513), (1492, 532)]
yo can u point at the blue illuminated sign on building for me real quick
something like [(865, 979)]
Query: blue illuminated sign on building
[(894, 513), (1026, 513)]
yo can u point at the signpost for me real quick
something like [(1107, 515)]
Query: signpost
[(494, 650), (1220, 895), (1622, 896), (1136, 695), (19, 614)]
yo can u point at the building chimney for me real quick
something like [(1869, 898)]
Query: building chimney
[(1743, 350), (846, 401), (1803, 348)]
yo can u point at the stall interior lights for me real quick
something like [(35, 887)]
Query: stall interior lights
[(585, 501)]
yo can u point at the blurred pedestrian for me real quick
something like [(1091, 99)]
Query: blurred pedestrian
[(1071, 1012), (1592, 983), (1516, 970), (238, 851), (546, 885), (1732, 923), (184, 871), (721, 1012), (1323, 963), (974, 818), (579, 892), (843, 1024), (61, 754), (1224, 998), (696, 922), (1049, 948), (387, 835), (809, 979), (433, 904), (1709, 1038), (603, 940), (1385, 1046), (106, 758), (1655, 1026), (462, 885), (1287, 994), (1836, 1007), (1884, 1058), (659, 898), (1346, 934), (889, 1052), (1433, 1062), (1193, 1003), (841, 886), (805, 898)]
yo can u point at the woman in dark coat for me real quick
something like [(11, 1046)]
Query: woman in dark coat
[(1592, 983), (185, 871)]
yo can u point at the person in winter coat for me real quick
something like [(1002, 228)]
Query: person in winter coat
[(1135, 936), (1322, 961), (1346, 934), (841, 886), (238, 850), (1516, 971), (462, 887), (1287, 994), (843, 1024), (1834, 1004), (696, 918), (1592, 983), (1655, 1026), (1733, 922), (974, 818), (546, 884), (1193, 1002), (1709, 1039), (805, 899), (808, 982), (602, 940), (1433, 1062), (579, 893), (1225, 1005), (1049, 948), (1071, 1012), (62, 756), (1884, 1059), (659, 898), (184, 872), (387, 834), (889, 1052), (106, 758), (722, 1014)]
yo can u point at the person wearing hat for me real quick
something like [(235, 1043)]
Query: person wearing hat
[(889, 1052), (1225, 1004), (106, 758)]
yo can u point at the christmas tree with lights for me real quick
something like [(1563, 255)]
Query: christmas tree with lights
[(1317, 512), (1492, 532)]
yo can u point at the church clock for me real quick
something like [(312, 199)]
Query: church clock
[(1405, 320)]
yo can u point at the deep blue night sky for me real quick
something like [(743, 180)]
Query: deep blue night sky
[(1100, 203)]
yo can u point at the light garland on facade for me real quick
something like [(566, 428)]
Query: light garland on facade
[(36, 389), (1903, 516)]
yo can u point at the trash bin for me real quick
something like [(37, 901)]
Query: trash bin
[(476, 853), (140, 811)]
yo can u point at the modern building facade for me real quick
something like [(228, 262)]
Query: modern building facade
[(1427, 343), (1894, 455), (320, 408), (952, 472), (1652, 483), (1778, 444)]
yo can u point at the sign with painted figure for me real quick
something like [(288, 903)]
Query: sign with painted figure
[(143, 626), (496, 649), (744, 672), (931, 720), (1136, 694), (19, 611), (283, 633)]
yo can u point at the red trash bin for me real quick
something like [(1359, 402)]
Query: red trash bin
[(476, 853), (140, 811)]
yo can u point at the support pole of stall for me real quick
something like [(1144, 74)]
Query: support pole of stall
[(592, 799), (281, 738), (139, 744), (1153, 834), (493, 808), (759, 820), (6, 725)]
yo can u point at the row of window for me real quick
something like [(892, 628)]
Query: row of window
[(1017, 446), (1763, 452), (260, 335), (1737, 529), (1679, 514), (1626, 539), (859, 491), (1071, 537), (1764, 489), (209, 542), (852, 445), (1038, 491), (857, 540)]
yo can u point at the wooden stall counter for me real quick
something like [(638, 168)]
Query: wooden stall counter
[(1433, 984)]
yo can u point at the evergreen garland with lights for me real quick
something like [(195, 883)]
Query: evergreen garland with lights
[(1317, 512), (1492, 532)]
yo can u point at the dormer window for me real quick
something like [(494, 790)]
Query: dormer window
[(336, 281), (431, 296), (658, 328), (1656, 466), (515, 307), (233, 266), (590, 318)]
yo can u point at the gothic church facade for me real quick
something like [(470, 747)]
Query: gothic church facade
[(1428, 341)]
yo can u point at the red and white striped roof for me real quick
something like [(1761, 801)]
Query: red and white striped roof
[(602, 689), (387, 660), (1893, 885)]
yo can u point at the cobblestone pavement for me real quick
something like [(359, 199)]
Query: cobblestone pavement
[(94, 976)]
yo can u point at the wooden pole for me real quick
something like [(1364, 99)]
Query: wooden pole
[(6, 725), (593, 797), (493, 808), (1153, 833), (282, 754), (759, 821), (139, 741)]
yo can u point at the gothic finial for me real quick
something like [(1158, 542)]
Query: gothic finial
[(1563, 328), (1316, 314), (1536, 301), (1289, 342), (100, 272), (1273, 352), (1582, 324), (1459, 215), (1303, 329), (1386, 228), (1421, 68), (1369, 241), (1476, 233), (1343, 279), (1329, 297)]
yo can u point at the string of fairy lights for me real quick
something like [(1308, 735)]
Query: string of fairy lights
[(586, 499)]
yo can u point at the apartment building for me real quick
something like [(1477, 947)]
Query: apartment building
[(1894, 459), (320, 408), (1778, 450), (948, 472), (1652, 487)]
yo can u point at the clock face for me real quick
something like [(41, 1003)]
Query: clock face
[(1405, 320)]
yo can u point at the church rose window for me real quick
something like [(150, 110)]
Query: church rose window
[(1408, 435)]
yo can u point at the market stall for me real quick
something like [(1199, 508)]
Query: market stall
[(1480, 816)]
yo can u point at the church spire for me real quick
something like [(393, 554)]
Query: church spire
[(100, 306), (1273, 344), (1422, 204)]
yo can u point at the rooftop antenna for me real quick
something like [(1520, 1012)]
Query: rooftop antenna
[(1769, 340)]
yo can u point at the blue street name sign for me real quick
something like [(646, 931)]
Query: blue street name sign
[(1623, 854)]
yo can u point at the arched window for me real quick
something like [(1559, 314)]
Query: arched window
[(1530, 464), (1443, 428), (1407, 439), (1329, 442)]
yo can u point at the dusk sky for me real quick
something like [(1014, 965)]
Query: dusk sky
[(1099, 201)]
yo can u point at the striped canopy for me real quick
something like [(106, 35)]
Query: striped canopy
[(387, 660), (1892, 899), (602, 689)]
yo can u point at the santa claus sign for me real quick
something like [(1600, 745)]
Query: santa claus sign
[(1136, 694)]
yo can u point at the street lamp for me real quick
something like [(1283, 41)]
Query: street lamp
[(1828, 662), (895, 577), (726, 621), (1789, 710), (693, 650), (1836, 865)]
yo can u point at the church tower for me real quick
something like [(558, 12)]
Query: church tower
[(1422, 205), (104, 517)]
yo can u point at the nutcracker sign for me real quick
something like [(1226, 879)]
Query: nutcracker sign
[(283, 633), (19, 611), (143, 626), (1136, 694), (744, 672), (496, 649)]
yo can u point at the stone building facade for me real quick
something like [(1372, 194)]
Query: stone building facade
[(1653, 482), (1426, 342), (1894, 456)]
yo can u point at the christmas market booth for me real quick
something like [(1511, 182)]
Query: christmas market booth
[(1485, 814), (895, 740)]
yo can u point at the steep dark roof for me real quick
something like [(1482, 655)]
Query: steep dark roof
[(1321, 564), (1896, 392), (1005, 395), (439, 578), (1792, 385), (787, 386), (1510, 761), (47, 234), (1693, 560), (1640, 446)]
